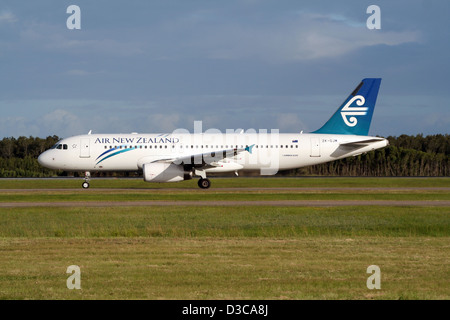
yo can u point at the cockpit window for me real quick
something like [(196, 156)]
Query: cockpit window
[(60, 146)]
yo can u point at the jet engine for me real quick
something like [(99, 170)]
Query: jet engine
[(165, 172)]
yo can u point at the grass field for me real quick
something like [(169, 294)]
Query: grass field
[(207, 252)]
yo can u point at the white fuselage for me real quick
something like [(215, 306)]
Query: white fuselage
[(268, 153)]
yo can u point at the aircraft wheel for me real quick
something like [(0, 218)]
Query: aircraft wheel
[(204, 183), (85, 185)]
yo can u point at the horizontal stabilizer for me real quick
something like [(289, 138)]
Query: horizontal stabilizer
[(360, 143)]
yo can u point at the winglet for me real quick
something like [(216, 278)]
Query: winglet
[(249, 148)]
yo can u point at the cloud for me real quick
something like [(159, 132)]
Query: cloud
[(7, 17), (77, 72), (51, 38), (163, 122), (206, 34), (324, 36), (61, 122), (301, 37), (289, 122), (17, 126), (81, 72), (109, 47)]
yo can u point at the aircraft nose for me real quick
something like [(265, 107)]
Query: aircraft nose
[(44, 159)]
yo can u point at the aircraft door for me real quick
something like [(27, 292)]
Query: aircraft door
[(315, 147), (85, 148)]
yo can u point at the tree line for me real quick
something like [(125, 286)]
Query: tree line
[(18, 157), (405, 156)]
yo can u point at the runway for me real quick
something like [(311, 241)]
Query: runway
[(321, 196), (276, 203), (178, 190)]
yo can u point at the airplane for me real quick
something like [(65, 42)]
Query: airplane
[(180, 155)]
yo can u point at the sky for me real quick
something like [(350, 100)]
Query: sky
[(158, 66)]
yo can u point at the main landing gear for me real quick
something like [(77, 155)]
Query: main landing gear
[(204, 183), (87, 178)]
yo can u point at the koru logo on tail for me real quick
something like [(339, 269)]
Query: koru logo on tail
[(347, 111)]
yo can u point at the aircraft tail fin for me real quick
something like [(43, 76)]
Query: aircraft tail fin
[(355, 114)]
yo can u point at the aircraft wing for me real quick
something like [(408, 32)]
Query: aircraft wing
[(206, 159)]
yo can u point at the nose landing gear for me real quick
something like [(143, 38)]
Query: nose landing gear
[(87, 178)]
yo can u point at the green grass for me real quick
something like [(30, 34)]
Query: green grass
[(219, 196), (251, 189), (237, 182), (229, 222), (214, 268), (208, 252)]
